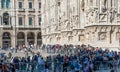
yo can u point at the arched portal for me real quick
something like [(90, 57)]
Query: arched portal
[(20, 38), (6, 40), (39, 39), (30, 38)]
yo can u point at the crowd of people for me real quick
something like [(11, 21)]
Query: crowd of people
[(73, 59)]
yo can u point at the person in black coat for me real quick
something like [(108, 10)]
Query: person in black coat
[(65, 65)]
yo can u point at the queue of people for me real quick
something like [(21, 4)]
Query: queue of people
[(83, 58)]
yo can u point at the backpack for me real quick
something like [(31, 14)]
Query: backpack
[(71, 66)]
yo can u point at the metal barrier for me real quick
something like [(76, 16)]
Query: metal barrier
[(58, 67)]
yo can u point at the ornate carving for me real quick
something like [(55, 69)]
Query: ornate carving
[(118, 35), (81, 38), (118, 17), (67, 25), (104, 9), (102, 36), (103, 17), (92, 14), (113, 12), (75, 21), (82, 5), (91, 36)]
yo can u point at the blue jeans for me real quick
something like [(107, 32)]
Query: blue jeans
[(40, 68)]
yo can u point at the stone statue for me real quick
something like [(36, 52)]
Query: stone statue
[(55, 28), (118, 35), (82, 5), (75, 21), (92, 15), (64, 25), (105, 3), (82, 38), (118, 17), (91, 2), (104, 9), (112, 15)]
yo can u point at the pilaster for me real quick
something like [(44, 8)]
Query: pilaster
[(13, 40), (0, 38), (35, 43), (26, 42)]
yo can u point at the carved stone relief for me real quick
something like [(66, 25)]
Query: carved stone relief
[(75, 21), (104, 8), (67, 25), (81, 38), (102, 36), (103, 17), (82, 5), (113, 13), (92, 15), (118, 17), (117, 35)]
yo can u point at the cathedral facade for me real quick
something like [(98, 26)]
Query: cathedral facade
[(94, 22)]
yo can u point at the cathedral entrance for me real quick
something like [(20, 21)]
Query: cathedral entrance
[(6, 40)]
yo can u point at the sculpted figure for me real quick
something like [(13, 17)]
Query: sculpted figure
[(112, 15), (92, 15), (82, 5), (118, 35), (82, 38), (102, 36), (75, 21), (65, 26), (104, 9), (91, 2)]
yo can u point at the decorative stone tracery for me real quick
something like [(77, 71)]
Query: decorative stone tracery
[(102, 36)]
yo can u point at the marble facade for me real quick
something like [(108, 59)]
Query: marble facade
[(94, 22)]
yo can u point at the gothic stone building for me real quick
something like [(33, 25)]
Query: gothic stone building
[(20, 22), (94, 22)]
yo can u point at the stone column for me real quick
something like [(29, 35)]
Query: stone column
[(35, 43), (0, 4), (108, 37), (26, 43), (13, 41), (0, 39)]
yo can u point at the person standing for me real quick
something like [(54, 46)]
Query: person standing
[(40, 64)]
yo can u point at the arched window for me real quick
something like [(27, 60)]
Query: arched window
[(6, 19), (20, 35), (30, 35), (6, 35)]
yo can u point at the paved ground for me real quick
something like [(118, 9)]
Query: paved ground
[(22, 54)]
